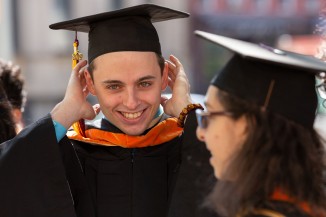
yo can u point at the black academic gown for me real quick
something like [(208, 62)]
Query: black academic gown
[(32, 175), (196, 176), (135, 182), (41, 178)]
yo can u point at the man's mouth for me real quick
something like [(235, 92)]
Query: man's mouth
[(130, 115)]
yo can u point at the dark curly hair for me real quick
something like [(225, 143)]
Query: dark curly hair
[(277, 154), (7, 125), (13, 84)]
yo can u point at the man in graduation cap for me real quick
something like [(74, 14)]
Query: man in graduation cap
[(124, 164)]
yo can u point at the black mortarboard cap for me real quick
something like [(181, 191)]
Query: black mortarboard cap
[(128, 29), (279, 81)]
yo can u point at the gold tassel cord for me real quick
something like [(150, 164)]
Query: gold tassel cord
[(76, 56)]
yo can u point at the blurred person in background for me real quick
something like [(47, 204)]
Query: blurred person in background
[(7, 125), (13, 84), (258, 126)]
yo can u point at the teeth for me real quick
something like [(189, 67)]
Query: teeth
[(131, 115)]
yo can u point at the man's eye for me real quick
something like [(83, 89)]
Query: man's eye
[(113, 87), (145, 84)]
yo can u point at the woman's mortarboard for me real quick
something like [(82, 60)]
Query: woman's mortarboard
[(127, 29), (279, 81)]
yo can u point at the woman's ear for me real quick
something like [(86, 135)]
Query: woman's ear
[(89, 82), (165, 76)]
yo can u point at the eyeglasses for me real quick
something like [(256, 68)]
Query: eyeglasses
[(321, 85), (321, 89), (321, 93), (203, 117)]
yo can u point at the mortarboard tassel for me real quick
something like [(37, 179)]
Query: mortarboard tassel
[(76, 56)]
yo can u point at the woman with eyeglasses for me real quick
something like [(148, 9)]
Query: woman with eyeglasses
[(258, 126)]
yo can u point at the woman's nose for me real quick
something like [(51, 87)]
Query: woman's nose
[(200, 134)]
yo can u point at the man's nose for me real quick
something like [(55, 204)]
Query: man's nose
[(131, 100)]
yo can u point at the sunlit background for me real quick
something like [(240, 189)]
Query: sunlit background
[(45, 55)]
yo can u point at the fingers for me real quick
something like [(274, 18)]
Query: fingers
[(177, 64), (79, 66), (175, 67), (172, 70), (175, 61), (80, 76), (77, 72)]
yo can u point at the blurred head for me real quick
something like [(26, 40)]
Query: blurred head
[(7, 125), (128, 86), (268, 152), (222, 129), (13, 84), (263, 89)]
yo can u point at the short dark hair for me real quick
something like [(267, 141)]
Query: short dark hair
[(160, 60), (278, 153), (13, 84)]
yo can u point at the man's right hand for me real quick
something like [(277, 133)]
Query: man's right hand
[(74, 106)]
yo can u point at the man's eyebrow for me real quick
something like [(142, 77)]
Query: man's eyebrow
[(149, 77), (112, 82)]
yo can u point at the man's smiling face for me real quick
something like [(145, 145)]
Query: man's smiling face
[(128, 86)]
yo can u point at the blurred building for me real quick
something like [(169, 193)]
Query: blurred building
[(260, 21), (293, 25)]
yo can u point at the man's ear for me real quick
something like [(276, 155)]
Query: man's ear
[(89, 82), (165, 76)]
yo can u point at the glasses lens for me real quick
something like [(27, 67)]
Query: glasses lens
[(201, 119), (198, 120), (204, 121)]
